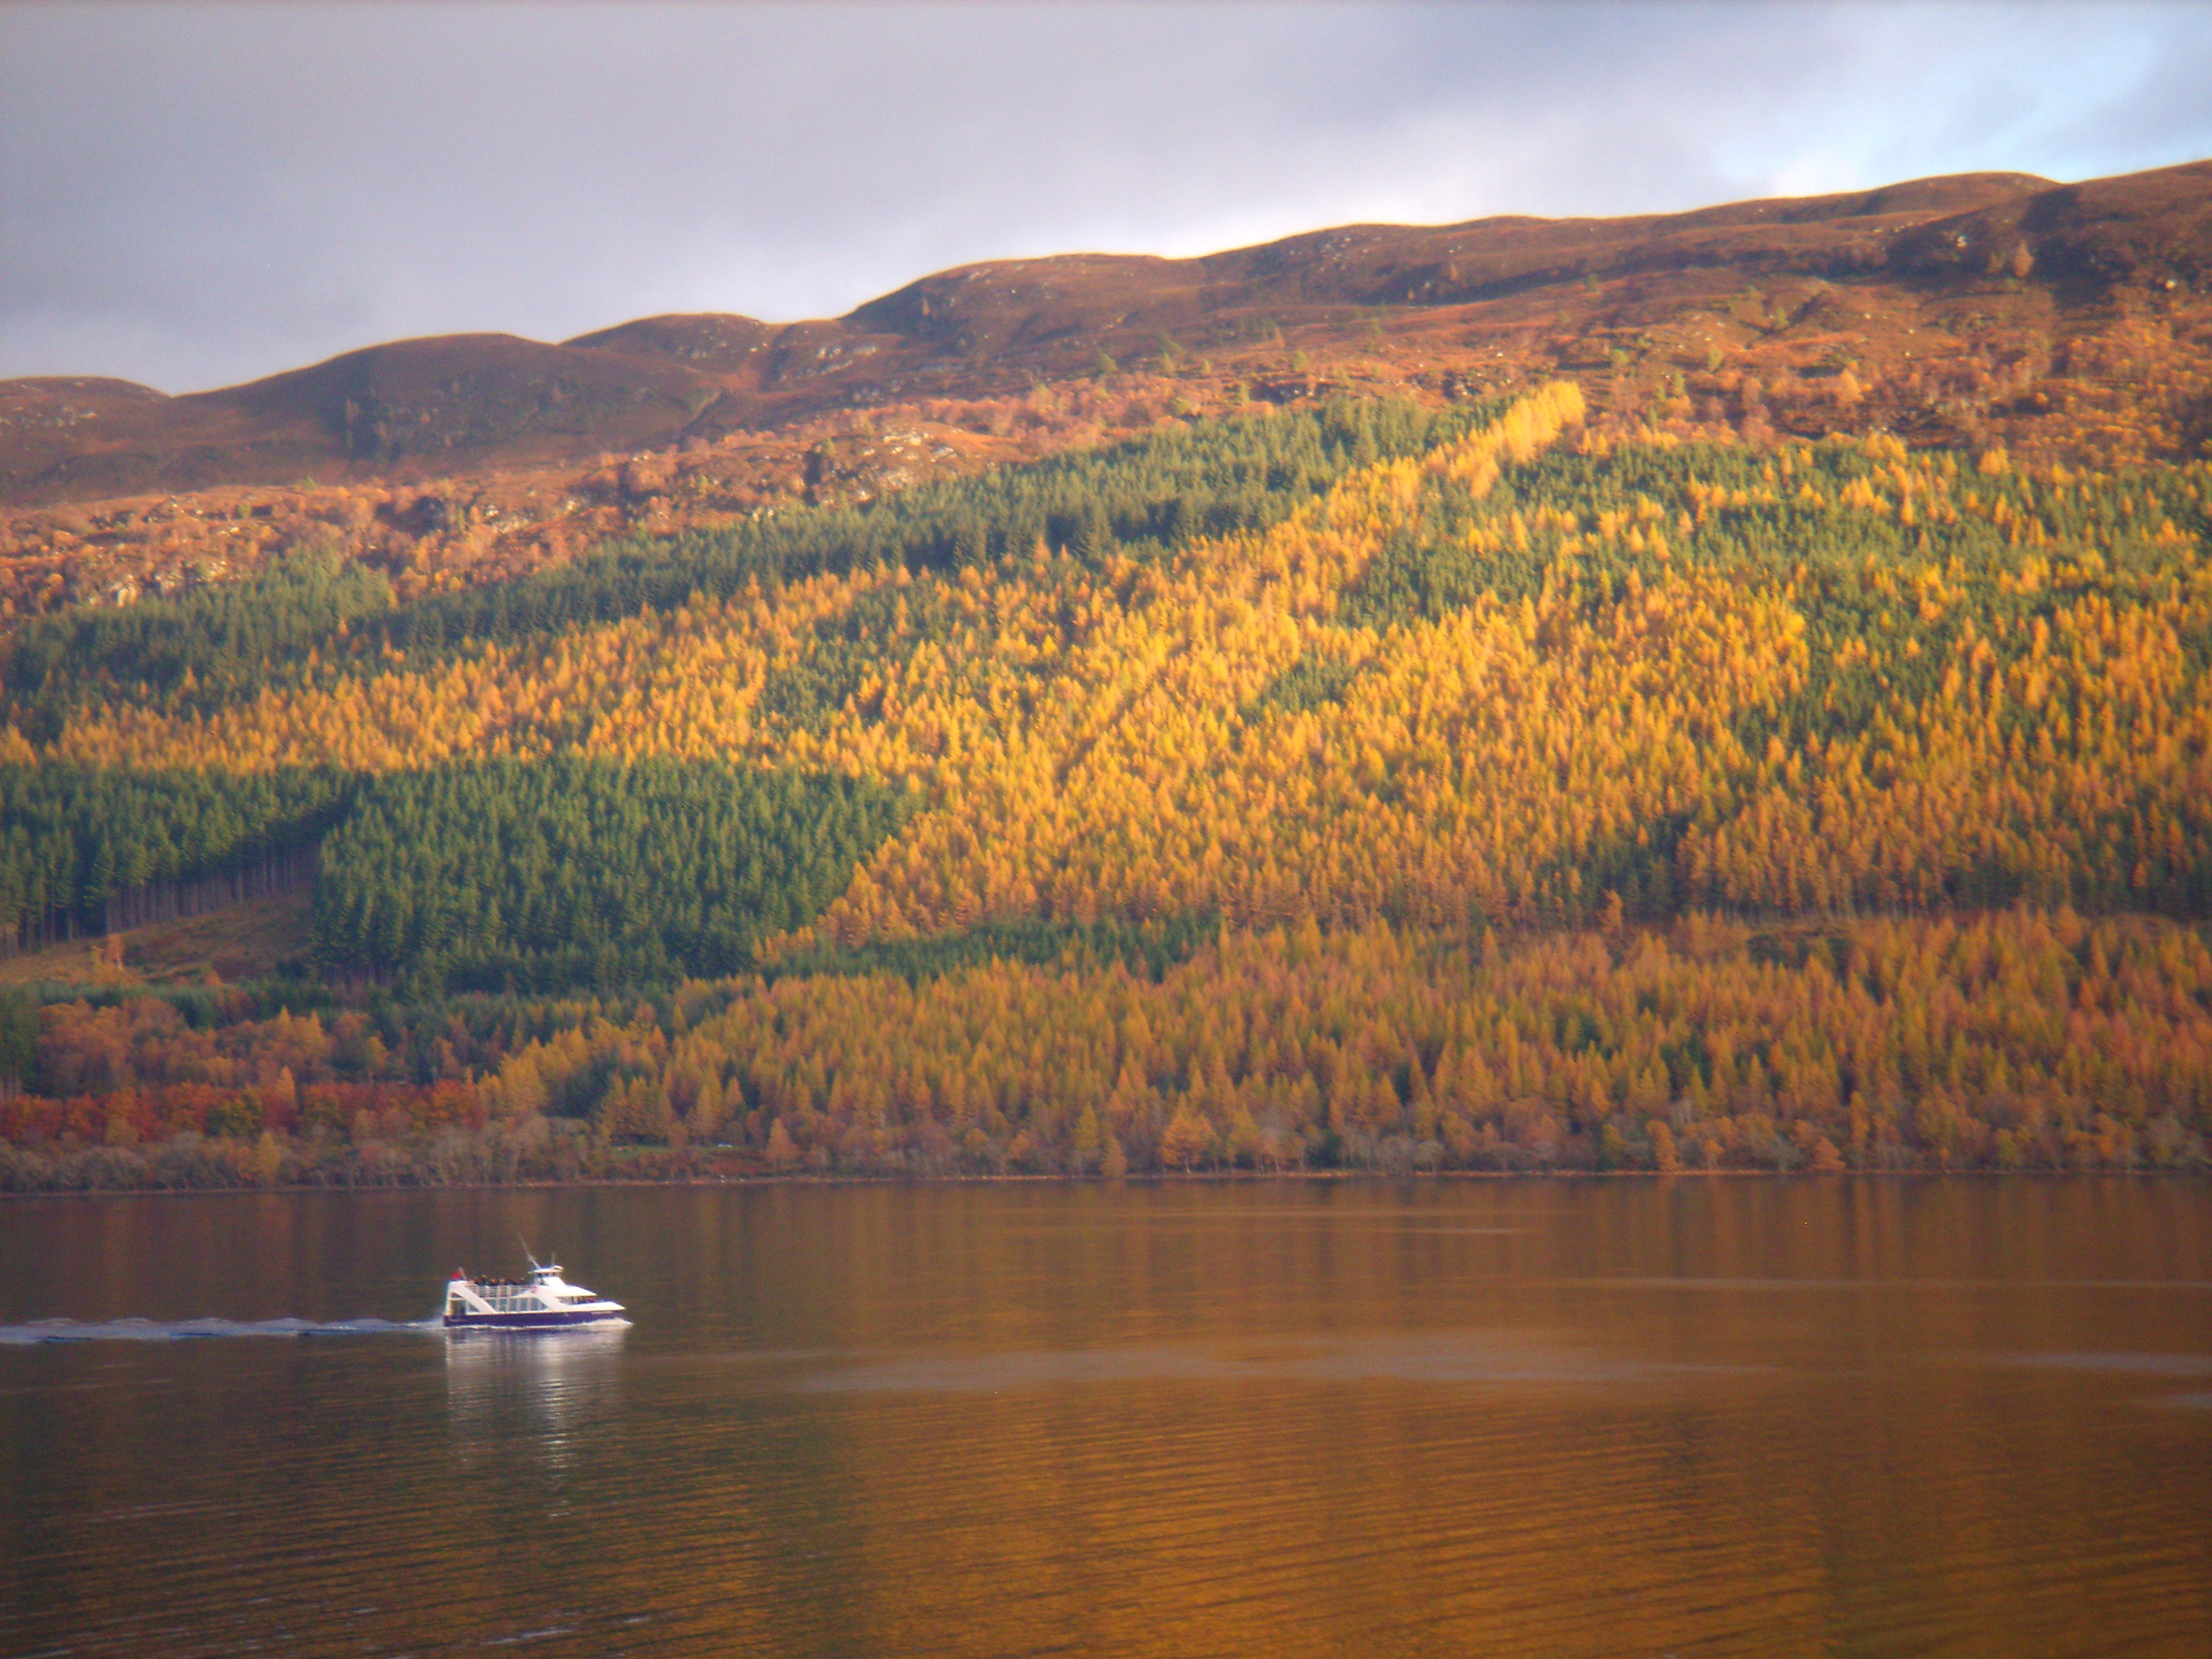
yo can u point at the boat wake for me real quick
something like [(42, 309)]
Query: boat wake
[(180, 1330)]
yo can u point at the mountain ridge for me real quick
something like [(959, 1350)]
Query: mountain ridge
[(410, 408)]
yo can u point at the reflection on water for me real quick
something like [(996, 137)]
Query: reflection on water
[(543, 1386), (1854, 1417), (1462, 1357), (2135, 1365)]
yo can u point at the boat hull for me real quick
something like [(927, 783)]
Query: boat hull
[(556, 1320)]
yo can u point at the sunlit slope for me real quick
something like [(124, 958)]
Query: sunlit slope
[(1457, 672)]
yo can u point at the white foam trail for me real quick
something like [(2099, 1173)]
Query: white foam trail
[(165, 1331)]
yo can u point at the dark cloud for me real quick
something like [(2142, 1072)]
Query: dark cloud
[(190, 196)]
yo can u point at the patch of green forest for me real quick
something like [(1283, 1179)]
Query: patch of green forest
[(508, 876), (1729, 509), (73, 838), (205, 647), (1140, 499)]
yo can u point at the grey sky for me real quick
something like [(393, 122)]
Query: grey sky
[(191, 196)]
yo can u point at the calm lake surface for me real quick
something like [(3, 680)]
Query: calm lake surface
[(1864, 1416)]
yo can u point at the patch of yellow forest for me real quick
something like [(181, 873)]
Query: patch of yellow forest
[(1518, 789)]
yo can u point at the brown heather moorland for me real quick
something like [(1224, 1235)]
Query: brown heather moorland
[(2064, 322)]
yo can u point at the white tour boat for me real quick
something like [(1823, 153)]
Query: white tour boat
[(540, 1300)]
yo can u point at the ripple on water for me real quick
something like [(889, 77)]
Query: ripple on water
[(1470, 1358)]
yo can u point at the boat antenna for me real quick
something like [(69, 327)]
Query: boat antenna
[(525, 1245)]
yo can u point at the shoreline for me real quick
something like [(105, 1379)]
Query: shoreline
[(1224, 1177)]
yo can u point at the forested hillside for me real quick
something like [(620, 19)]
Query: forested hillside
[(1362, 783)]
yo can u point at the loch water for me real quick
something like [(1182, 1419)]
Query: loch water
[(1831, 1416)]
